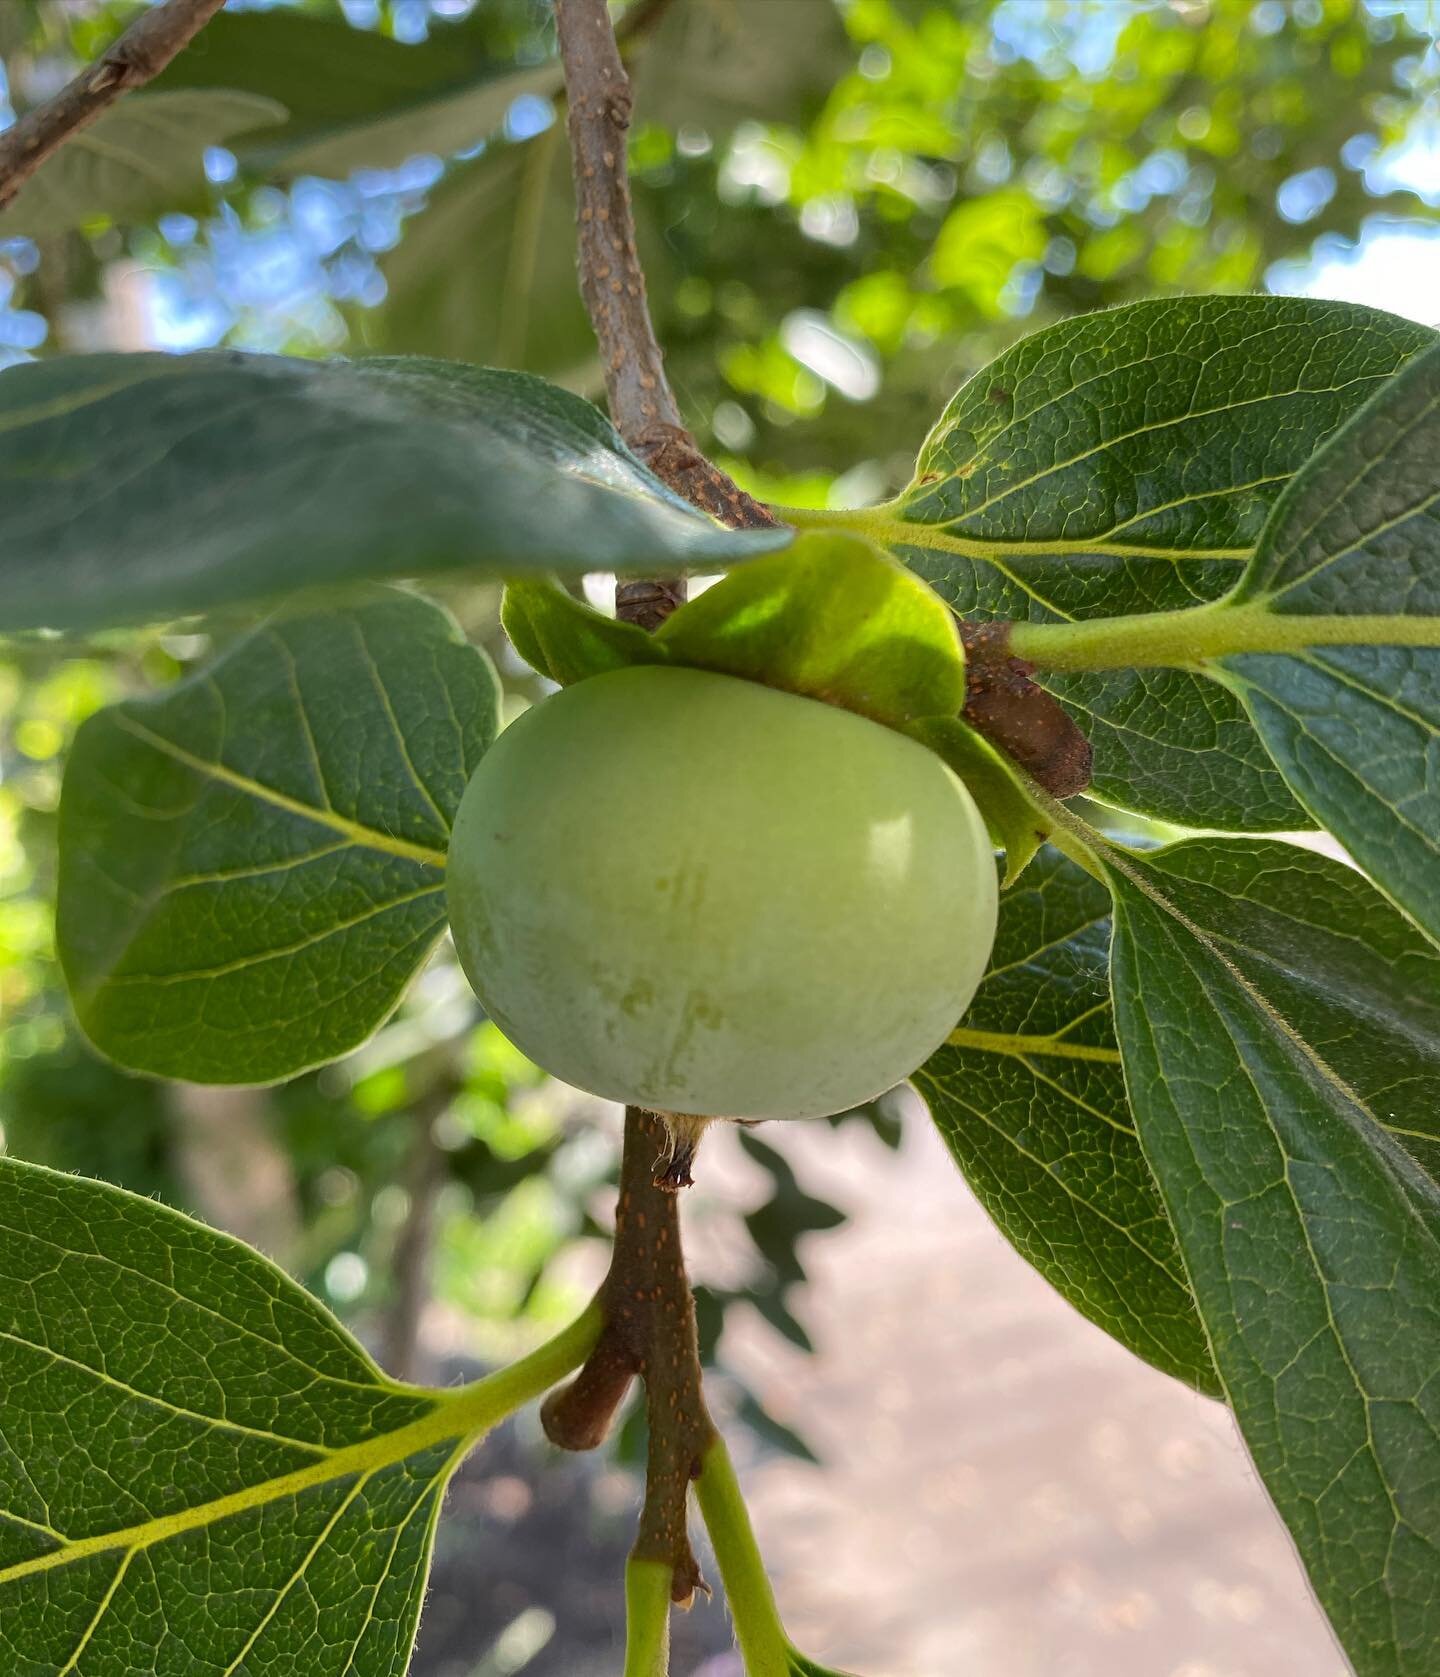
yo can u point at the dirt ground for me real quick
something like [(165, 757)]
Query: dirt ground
[(1006, 1492)]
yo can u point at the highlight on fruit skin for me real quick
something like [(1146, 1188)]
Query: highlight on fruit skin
[(703, 896)]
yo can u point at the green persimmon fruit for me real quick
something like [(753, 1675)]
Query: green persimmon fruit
[(705, 897)]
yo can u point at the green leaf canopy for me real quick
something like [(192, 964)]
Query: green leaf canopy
[(146, 486), (713, 63), (252, 862), (356, 98), (514, 301), (1311, 1238)]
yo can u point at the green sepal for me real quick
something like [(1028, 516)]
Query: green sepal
[(1017, 825), (831, 618), (567, 640)]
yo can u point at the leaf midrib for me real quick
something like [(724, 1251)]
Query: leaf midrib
[(878, 524), (461, 1417), (369, 838), (1019, 1046), (444, 1423)]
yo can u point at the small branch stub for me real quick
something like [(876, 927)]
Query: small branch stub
[(650, 1332), (1026, 722), (132, 59)]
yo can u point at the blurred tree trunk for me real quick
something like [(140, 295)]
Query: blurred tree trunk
[(236, 1174)]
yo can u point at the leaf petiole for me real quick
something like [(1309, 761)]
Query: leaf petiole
[(1199, 634), (647, 1618), (763, 1643)]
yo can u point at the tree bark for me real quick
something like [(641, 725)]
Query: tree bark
[(132, 59)]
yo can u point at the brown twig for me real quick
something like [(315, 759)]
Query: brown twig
[(649, 1331), (642, 405), (132, 59)]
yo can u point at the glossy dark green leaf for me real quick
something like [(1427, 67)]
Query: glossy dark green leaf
[(1030, 1099), (201, 1470), (1354, 547), (1158, 431), (1312, 1243), (142, 157), (252, 862), (832, 618), (356, 98), (135, 486), (1345, 970), (712, 64), (1125, 462)]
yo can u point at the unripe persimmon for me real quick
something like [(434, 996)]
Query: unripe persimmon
[(703, 896)]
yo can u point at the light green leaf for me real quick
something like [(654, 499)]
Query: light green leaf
[(565, 639), (357, 99), (981, 242), (1125, 462), (136, 486), (1030, 1099), (143, 156), (834, 619), (252, 862), (514, 301), (1312, 1243), (200, 1469), (1353, 554), (1017, 826), (714, 63)]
